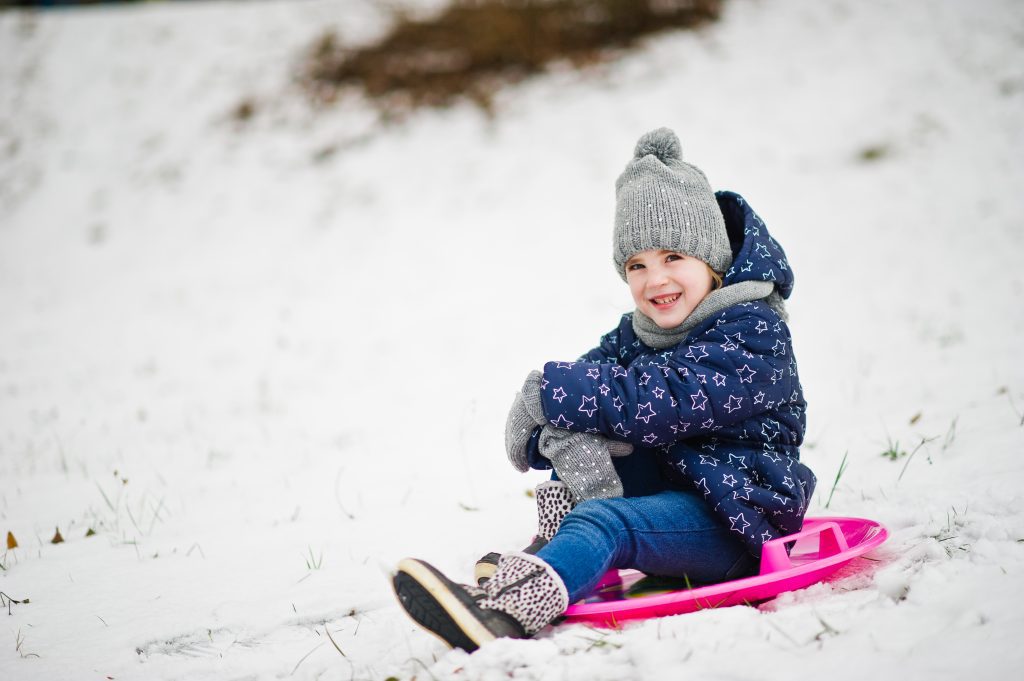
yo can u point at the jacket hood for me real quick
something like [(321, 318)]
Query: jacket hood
[(756, 255)]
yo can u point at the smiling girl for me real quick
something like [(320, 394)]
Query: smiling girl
[(696, 396)]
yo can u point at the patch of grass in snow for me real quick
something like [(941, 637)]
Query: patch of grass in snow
[(19, 642), (922, 443), (874, 152), (839, 474), (314, 563), (473, 47), (892, 450), (142, 515), (947, 535), (6, 601), (1013, 405)]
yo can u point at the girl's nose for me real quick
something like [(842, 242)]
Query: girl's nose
[(658, 276)]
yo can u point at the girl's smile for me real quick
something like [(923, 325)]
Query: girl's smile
[(667, 286)]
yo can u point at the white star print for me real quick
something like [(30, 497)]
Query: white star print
[(759, 398), (650, 438), (746, 374), (559, 395), (617, 403), (644, 378), (703, 486), (709, 460), (729, 479), (699, 400), (604, 389), (588, 405), (619, 430), (618, 371), (732, 341), (719, 379), (641, 415), (788, 482), (776, 375), (779, 348), (707, 424), (733, 404), (742, 461), (594, 372), (561, 422), (739, 520), (658, 393), (564, 365), (697, 353), (766, 536)]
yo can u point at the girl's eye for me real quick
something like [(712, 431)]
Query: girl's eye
[(673, 256), (635, 266)]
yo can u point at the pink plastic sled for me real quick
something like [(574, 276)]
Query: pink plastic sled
[(822, 547)]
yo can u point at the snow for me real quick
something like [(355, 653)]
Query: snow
[(266, 360)]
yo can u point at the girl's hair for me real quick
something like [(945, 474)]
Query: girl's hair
[(716, 278)]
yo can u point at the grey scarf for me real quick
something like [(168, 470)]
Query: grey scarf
[(716, 301)]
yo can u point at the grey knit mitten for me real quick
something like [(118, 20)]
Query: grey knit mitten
[(527, 413), (584, 462)]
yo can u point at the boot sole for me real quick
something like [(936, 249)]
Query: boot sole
[(439, 605)]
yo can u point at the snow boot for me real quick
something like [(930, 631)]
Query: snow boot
[(521, 598), (554, 501)]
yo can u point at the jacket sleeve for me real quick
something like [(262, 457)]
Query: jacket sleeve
[(732, 370)]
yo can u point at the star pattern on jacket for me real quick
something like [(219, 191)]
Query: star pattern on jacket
[(723, 410)]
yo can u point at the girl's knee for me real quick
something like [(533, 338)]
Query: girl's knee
[(605, 514)]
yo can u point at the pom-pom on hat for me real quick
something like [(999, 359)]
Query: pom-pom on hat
[(662, 202)]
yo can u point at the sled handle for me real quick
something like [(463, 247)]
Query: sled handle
[(831, 541)]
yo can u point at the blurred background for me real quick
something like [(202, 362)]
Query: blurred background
[(271, 272)]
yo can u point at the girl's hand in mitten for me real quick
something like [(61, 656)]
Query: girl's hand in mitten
[(526, 413), (583, 462)]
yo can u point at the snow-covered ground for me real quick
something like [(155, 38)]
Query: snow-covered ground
[(263, 361)]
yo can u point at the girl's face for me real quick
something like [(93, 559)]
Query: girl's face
[(666, 285)]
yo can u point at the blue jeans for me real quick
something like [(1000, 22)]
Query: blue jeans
[(669, 533)]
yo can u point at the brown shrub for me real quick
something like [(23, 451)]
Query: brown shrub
[(475, 46)]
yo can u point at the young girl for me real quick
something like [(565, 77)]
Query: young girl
[(696, 394)]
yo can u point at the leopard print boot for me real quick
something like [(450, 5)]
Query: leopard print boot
[(554, 501), (528, 590), (524, 595)]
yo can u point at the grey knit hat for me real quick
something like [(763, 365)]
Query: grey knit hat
[(662, 202)]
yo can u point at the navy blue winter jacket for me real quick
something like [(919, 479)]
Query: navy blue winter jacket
[(722, 411)]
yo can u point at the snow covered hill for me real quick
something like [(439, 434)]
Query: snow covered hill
[(237, 350)]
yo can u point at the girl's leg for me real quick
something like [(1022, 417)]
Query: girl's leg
[(672, 533)]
